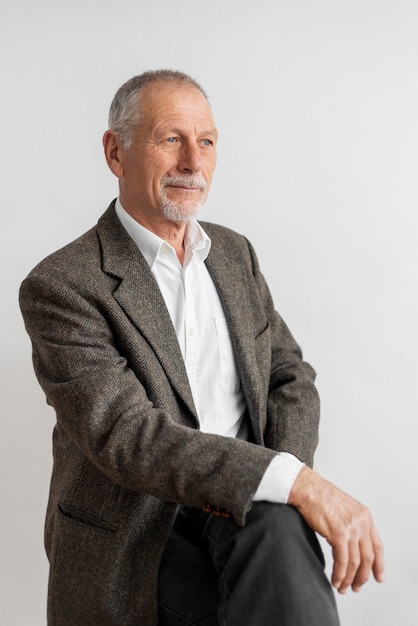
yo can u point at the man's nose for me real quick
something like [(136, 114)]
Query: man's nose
[(190, 158)]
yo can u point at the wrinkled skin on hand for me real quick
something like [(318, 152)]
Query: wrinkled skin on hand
[(346, 524)]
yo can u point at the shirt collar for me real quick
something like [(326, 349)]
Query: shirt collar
[(196, 241)]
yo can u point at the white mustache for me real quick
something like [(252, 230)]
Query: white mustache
[(196, 182)]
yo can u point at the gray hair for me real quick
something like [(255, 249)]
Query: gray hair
[(125, 110)]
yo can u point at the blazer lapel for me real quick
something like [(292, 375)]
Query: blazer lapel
[(232, 285), (139, 296)]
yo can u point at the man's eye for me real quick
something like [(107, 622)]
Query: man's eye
[(172, 139), (207, 142)]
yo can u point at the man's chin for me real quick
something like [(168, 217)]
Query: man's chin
[(180, 214)]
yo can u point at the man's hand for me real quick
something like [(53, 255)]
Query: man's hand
[(346, 524)]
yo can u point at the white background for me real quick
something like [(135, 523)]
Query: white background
[(317, 108)]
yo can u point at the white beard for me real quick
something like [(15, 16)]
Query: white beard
[(186, 210)]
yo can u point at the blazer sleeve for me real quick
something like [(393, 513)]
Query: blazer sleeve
[(103, 411), (293, 403)]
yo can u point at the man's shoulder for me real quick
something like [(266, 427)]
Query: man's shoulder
[(77, 255), (77, 252), (228, 244)]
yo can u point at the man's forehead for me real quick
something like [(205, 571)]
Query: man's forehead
[(162, 102)]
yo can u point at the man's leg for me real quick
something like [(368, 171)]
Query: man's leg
[(269, 572)]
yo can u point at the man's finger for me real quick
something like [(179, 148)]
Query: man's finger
[(340, 556), (379, 560)]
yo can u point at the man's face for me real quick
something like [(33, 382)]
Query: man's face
[(167, 171)]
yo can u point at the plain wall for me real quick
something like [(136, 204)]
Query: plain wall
[(316, 104)]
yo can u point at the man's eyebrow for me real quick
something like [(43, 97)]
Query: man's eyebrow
[(210, 132), (213, 132)]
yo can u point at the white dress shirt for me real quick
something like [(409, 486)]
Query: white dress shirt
[(202, 332)]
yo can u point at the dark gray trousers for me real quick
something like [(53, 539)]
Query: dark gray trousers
[(270, 572)]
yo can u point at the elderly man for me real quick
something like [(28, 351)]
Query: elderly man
[(182, 491)]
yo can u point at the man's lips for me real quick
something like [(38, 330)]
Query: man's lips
[(184, 184), (185, 187)]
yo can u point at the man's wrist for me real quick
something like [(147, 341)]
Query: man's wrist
[(278, 479), (306, 488)]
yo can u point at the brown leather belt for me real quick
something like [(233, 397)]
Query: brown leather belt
[(217, 511)]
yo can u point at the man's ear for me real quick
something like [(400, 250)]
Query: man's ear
[(113, 152)]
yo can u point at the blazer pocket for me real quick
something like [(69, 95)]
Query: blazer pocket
[(85, 518), (82, 569)]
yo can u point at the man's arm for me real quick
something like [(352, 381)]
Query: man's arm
[(293, 402), (292, 426)]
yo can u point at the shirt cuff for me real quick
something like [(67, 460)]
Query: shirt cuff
[(278, 479)]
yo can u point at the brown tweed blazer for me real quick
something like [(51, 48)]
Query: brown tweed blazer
[(127, 446)]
